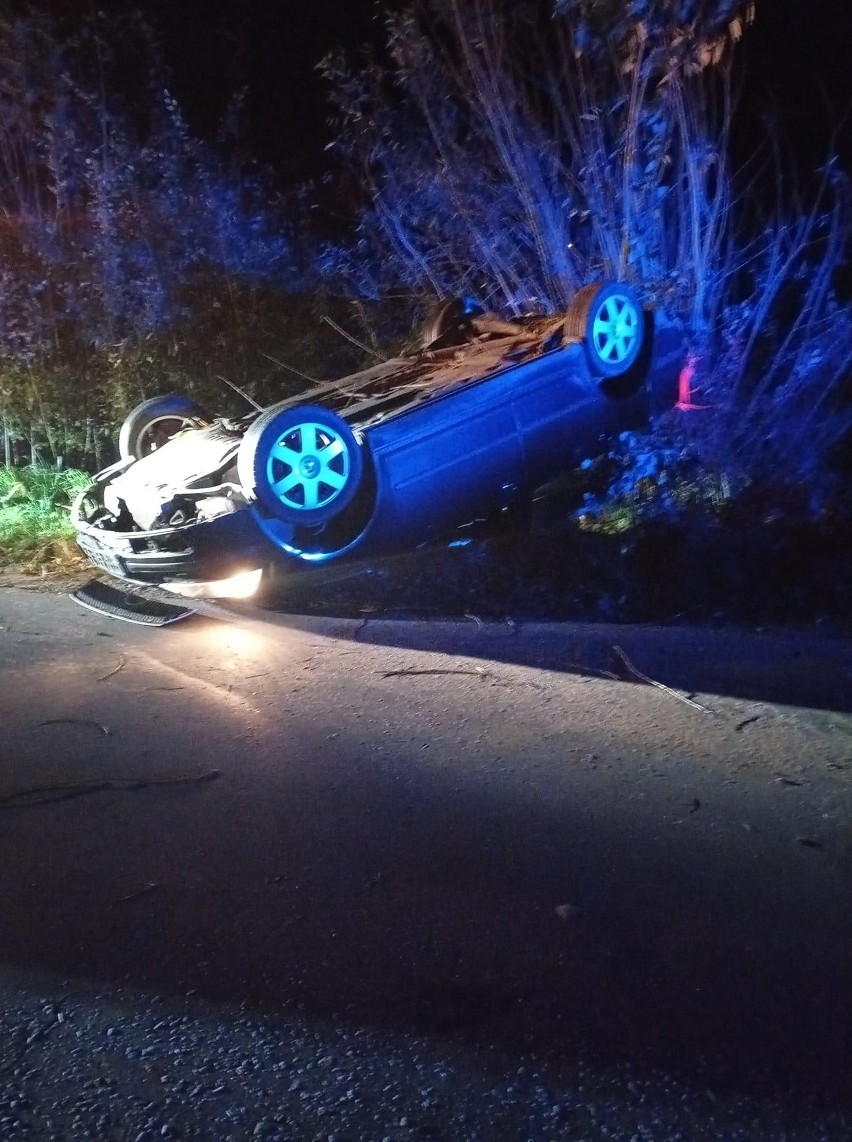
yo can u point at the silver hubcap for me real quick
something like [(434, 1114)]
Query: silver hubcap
[(615, 329), (308, 466)]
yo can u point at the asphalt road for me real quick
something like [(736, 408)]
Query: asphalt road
[(497, 837)]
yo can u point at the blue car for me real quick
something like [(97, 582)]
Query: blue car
[(395, 456)]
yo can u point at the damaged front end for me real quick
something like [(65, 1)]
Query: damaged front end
[(175, 518)]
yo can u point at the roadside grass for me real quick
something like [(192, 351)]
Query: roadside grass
[(36, 536)]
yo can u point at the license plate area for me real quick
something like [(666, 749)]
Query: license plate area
[(105, 559)]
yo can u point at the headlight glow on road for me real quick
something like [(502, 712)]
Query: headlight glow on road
[(240, 586), (232, 639)]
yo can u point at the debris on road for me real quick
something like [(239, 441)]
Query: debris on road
[(659, 685), (477, 672), (594, 671), (47, 794), (122, 661), (105, 730), (139, 892), (740, 726)]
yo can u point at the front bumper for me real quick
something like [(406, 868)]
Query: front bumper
[(197, 553)]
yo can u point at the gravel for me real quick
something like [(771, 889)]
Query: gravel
[(128, 1066)]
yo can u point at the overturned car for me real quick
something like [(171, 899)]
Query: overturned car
[(394, 456)]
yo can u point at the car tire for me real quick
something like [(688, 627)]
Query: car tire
[(449, 324), (607, 318), (155, 421), (301, 464)]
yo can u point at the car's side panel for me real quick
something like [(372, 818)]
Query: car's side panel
[(560, 412), (468, 452)]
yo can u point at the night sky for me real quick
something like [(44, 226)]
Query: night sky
[(797, 56), (272, 47)]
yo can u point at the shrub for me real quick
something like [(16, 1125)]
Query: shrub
[(116, 225), (34, 523), (513, 157)]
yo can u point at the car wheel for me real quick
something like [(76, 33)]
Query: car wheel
[(302, 464), (156, 421), (608, 319), (449, 323)]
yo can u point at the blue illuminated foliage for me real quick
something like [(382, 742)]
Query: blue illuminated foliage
[(522, 157), (516, 159), (110, 222), (116, 223)]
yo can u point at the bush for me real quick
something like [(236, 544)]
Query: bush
[(34, 523), (516, 158), (116, 226)]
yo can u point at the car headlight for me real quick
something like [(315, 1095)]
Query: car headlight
[(240, 586)]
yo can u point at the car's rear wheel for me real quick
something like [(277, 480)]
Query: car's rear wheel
[(154, 422), (301, 464), (450, 323), (608, 319)]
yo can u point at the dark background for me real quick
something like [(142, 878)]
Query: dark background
[(796, 55)]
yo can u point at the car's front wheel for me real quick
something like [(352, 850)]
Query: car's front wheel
[(608, 319), (302, 464), (154, 422)]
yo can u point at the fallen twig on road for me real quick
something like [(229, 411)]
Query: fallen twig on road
[(478, 672), (40, 1032), (105, 730), (659, 685), (740, 726), (122, 661), (139, 892), (47, 794), (593, 670)]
